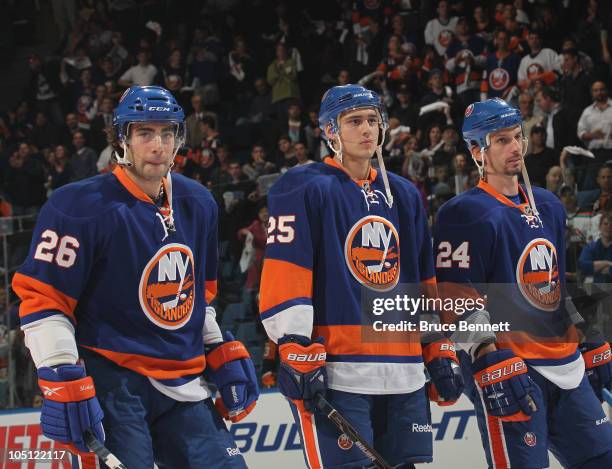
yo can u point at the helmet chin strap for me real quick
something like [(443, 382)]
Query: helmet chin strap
[(483, 175), (123, 159), (381, 165)]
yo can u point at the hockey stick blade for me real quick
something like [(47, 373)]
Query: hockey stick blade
[(101, 451), (345, 427)]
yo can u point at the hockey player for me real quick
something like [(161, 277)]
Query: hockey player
[(507, 241), (322, 251), (115, 305)]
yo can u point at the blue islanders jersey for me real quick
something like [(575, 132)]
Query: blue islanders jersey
[(329, 237), (487, 244), (135, 291)]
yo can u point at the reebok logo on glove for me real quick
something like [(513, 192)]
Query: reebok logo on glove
[(47, 391), (306, 357)]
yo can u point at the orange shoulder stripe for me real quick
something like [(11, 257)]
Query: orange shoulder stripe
[(156, 368), (283, 281), (37, 296)]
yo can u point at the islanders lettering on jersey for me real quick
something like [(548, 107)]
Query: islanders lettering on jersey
[(371, 251), (166, 290), (537, 275)]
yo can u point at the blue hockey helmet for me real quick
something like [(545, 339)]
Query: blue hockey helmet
[(340, 99), (148, 104), (488, 116)]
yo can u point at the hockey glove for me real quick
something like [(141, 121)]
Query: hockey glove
[(70, 406), (597, 359), (442, 364), (507, 389), (230, 368), (301, 374)]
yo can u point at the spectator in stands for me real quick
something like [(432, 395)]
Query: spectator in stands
[(458, 183), (44, 133), (25, 180), (293, 125), (437, 92), (260, 108), (313, 136), (575, 85), (192, 122), (554, 179), (557, 122), (404, 109), (211, 139), (101, 124), (540, 158), (445, 154), (83, 162), (596, 257), (301, 154), (106, 71), (541, 64), (259, 231), (282, 77), (71, 126), (285, 156), (482, 23), (43, 88), (595, 124), (203, 167), (439, 31), (143, 73), (597, 199), (173, 76), (59, 172), (580, 224), (258, 164), (501, 68), (240, 68), (466, 60)]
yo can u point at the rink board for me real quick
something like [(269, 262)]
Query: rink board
[(268, 438)]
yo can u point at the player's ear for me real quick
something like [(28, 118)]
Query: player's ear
[(330, 132), (475, 150)]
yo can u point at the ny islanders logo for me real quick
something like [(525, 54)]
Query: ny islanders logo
[(371, 251), (537, 275), (166, 288)]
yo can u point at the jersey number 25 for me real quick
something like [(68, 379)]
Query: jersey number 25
[(280, 229), (446, 256)]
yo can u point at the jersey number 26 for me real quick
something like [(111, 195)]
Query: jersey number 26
[(51, 247)]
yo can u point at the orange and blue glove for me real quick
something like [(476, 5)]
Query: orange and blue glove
[(446, 384), (508, 391), (70, 406), (302, 374), (598, 364), (230, 368)]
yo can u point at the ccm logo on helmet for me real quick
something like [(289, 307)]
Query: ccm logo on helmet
[(501, 372), (307, 357), (159, 108)]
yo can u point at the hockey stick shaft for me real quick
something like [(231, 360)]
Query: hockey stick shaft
[(345, 427), (607, 395), (101, 451)]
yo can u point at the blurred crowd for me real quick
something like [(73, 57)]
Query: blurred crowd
[(250, 76)]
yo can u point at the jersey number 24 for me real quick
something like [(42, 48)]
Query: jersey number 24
[(446, 256)]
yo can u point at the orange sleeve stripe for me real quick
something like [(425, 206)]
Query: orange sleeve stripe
[(282, 281), (156, 368), (363, 340), (531, 347), (210, 290), (37, 296)]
